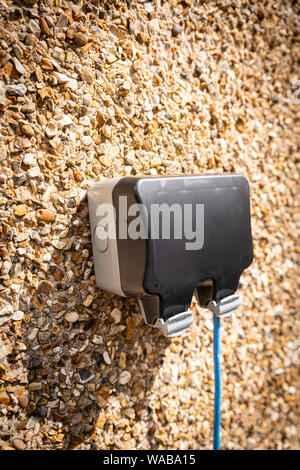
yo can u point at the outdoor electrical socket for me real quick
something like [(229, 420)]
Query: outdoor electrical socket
[(162, 239)]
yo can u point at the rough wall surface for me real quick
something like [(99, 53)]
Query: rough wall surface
[(93, 90)]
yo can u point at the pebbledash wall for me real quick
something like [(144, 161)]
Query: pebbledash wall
[(99, 89)]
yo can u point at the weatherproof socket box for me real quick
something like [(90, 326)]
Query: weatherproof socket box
[(163, 238)]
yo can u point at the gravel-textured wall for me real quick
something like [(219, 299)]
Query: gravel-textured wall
[(93, 90)]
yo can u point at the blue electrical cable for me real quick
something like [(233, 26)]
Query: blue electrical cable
[(217, 373)]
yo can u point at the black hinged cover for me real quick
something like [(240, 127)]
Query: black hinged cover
[(173, 272)]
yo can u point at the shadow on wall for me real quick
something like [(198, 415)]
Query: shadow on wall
[(86, 375)]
